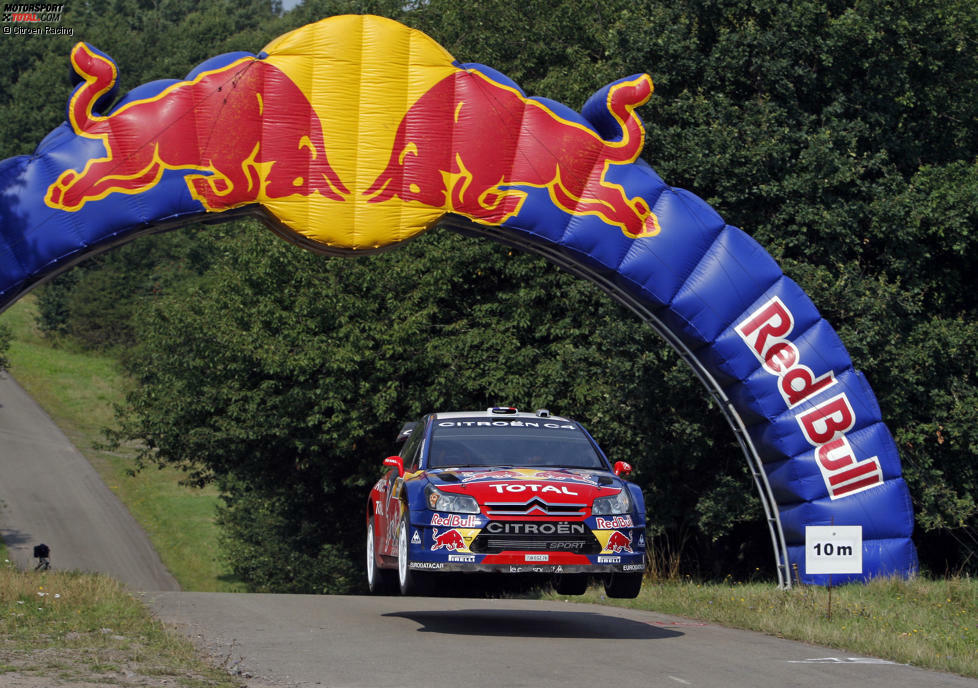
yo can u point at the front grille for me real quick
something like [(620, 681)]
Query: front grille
[(535, 506), (579, 539)]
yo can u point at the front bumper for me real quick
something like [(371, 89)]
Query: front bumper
[(634, 566), (557, 549)]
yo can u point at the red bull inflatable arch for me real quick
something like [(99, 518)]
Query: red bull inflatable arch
[(356, 133)]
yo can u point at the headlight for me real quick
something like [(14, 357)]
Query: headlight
[(615, 504), (446, 501)]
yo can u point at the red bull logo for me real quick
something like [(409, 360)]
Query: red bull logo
[(825, 425), (215, 125), (307, 136), (615, 522), (469, 144), (491, 475), (619, 542), (450, 540), (554, 475)]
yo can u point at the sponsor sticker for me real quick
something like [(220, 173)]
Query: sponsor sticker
[(613, 523), (619, 542), (451, 540), (536, 557), (426, 565), (633, 567), (543, 528), (609, 560), (504, 424), (456, 521), (502, 488), (489, 475), (462, 558), (416, 538)]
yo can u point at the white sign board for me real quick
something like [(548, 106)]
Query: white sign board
[(833, 549)]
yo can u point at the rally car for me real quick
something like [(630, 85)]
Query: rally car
[(504, 491)]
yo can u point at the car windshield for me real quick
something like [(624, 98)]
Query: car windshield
[(516, 442)]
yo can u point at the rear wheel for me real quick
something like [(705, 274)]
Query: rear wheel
[(379, 581), (411, 582), (623, 585), (570, 583)]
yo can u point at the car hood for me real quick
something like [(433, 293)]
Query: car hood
[(520, 486)]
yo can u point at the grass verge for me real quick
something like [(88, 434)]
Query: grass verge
[(79, 390), (932, 624), (85, 629)]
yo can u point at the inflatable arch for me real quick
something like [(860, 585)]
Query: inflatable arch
[(356, 133)]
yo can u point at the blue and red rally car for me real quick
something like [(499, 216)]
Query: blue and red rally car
[(504, 491)]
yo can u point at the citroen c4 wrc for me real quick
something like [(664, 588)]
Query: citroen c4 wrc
[(508, 492)]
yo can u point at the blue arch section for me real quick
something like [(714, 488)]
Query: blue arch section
[(811, 419), (807, 420)]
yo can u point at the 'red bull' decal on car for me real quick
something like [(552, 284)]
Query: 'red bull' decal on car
[(457, 521), (472, 476), (450, 540), (619, 542), (564, 476), (615, 522)]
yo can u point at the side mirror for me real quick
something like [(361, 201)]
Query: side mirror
[(622, 468), (395, 462)]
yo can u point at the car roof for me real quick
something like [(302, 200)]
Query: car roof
[(495, 412)]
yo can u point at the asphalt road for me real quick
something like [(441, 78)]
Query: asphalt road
[(391, 642), (50, 494)]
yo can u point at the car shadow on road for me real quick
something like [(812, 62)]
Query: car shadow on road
[(534, 624)]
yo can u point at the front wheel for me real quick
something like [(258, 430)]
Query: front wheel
[(570, 583), (411, 582), (623, 585), (379, 581)]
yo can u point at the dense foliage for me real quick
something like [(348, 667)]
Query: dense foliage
[(842, 135)]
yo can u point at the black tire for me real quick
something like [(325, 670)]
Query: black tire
[(379, 581), (411, 582), (570, 583), (623, 585)]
